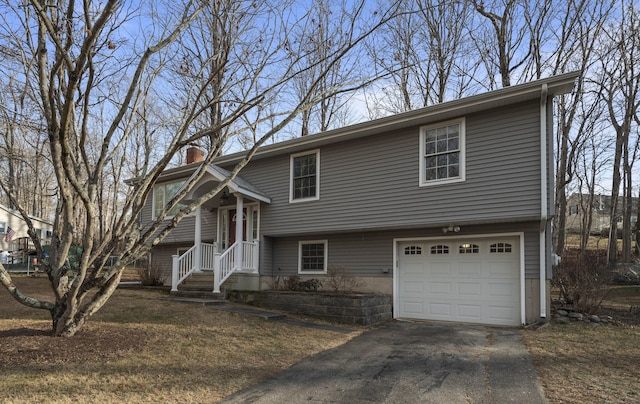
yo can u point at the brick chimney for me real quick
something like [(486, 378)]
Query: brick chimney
[(194, 155)]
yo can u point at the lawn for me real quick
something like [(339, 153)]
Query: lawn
[(140, 349), (583, 363)]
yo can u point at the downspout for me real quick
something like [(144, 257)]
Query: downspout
[(543, 200)]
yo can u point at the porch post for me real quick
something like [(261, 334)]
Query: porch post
[(216, 272), (174, 273), (239, 223), (198, 240)]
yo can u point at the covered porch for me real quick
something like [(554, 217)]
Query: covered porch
[(237, 247)]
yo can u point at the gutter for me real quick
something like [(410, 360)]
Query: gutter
[(544, 91)]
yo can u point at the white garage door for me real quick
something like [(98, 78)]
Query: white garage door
[(475, 280)]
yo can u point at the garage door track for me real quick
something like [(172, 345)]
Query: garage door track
[(410, 362)]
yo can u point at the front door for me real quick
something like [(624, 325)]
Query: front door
[(232, 225)]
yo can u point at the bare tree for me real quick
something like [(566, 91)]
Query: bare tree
[(23, 157), (86, 59), (505, 44), (620, 90), (590, 164), (425, 55), (580, 25), (325, 29)]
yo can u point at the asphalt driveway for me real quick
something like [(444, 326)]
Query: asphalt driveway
[(410, 362)]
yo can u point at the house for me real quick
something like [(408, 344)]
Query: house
[(446, 208), (15, 243), (600, 211)]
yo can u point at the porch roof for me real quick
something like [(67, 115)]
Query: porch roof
[(238, 184)]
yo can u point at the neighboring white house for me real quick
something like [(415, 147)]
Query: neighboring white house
[(13, 228)]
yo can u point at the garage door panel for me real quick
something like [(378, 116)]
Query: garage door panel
[(414, 268), (481, 286), (415, 306), (470, 289), (501, 288), (414, 288), (469, 313), (502, 269), (440, 269), (501, 315), (440, 309), (472, 268), (440, 288)]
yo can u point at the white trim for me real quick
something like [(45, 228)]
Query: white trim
[(255, 208), (224, 210), (523, 311), (462, 146), (291, 158), (164, 204), (326, 256), (396, 264), (543, 200)]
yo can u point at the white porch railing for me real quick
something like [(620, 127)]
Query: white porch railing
[(222, 264), (182, 267), (250, 256)]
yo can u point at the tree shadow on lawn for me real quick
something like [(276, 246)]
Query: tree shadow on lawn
[(24, 332)]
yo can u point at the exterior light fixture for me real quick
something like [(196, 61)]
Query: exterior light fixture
[(451, 228), (224, 198)]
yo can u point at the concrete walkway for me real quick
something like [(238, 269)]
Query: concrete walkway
[(410, 362)]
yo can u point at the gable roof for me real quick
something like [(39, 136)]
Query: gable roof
[(503, 97), (19, 215), (238, 184), (549, 87)]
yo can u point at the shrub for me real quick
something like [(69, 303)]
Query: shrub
[(151, 275), (341, 281), (291, 282), (583, 279), (295, 284), (310, 285)]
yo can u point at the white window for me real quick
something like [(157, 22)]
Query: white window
[(305, 176), (3, 227), (442, 152), (498, 248), (440, 249), (312, 257), (468, 248), (162, 194), (254, 223), (413, 250)]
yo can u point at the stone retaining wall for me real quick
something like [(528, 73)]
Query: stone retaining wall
[(352, 309)]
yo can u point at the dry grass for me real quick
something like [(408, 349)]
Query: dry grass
[(141, 349), (594, 242), (578, 363)]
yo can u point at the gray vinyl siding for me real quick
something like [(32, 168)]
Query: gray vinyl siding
[(370, 253), (373, 182), (185, 231), (266, 253), (162, 256)]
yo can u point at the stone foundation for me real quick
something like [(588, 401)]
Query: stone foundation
[(352, 309)]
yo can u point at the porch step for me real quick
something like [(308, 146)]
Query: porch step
[(198, 282), (199, 296)]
